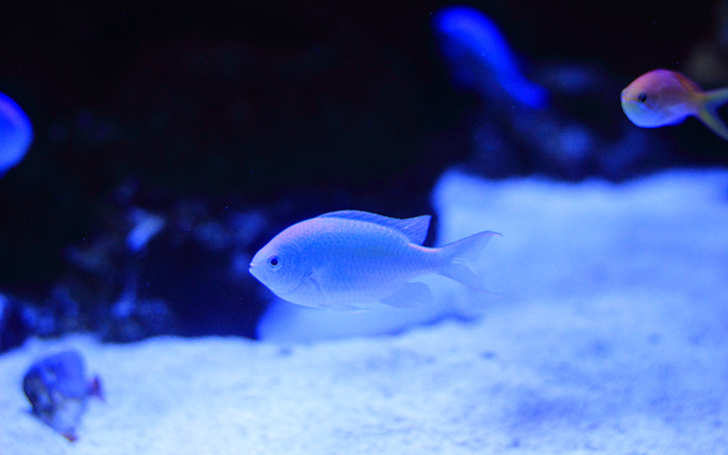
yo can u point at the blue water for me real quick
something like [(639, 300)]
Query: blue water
[(169, 145)]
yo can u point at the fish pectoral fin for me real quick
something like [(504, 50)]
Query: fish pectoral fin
[(313, 279), (410, 295), (321, 300)]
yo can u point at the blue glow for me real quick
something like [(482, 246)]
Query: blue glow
[(16, 134), (478, 54)]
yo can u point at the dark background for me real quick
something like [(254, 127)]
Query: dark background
[(289, 107)]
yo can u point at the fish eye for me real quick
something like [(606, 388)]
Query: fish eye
[(275, 262), (642, 97)]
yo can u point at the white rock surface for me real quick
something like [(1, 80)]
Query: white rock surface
[(609, 336)]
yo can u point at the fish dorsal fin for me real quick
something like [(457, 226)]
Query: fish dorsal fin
[(415, 229), (687, 83)]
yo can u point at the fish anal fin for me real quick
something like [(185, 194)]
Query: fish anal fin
[(463, 274), (410, 295)]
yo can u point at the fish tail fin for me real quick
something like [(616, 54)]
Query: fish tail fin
[(708, 113), (457, 252)]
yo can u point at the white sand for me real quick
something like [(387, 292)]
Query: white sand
[(610, 338)]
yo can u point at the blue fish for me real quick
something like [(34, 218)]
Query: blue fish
[(16, 134), (57, 389), (348, 260), (480, 54)]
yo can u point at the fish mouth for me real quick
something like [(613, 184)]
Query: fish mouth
[(625, 98), (252, 269), (639, 114)]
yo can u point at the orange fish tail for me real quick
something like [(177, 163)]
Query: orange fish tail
[(708, 113)]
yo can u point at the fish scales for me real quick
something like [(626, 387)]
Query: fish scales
[(361, 253)]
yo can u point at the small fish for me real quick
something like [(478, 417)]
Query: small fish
[(16, 134), (146, 226), (664, 97), (57, 389), (348, 260), (480, 55)]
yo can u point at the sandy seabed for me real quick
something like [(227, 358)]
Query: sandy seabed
[(609, 335)]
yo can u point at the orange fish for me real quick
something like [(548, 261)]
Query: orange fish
[(664, 97)]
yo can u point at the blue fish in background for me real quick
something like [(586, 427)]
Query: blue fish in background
[(16, 134), (481, 58)]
